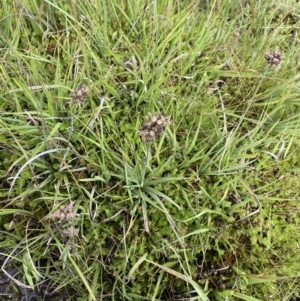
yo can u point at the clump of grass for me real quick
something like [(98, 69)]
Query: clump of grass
[(201, 208)]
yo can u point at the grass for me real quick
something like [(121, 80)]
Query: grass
[(197, 202)]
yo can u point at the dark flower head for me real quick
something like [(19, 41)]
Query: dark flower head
[(153, 126), (274, 58), (64, 212), (79, 95), (70, 232)]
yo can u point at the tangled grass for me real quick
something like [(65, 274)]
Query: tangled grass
[(201, 201)]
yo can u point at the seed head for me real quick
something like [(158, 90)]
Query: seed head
[(79, 95), (64, 212), (153, 126), (70, 232), (274, 59)]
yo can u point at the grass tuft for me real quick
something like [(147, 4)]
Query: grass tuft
[(149, 150)]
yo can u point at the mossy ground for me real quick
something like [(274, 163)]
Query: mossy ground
[(209, 209)]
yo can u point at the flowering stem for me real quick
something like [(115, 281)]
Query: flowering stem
[(146, 162)]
